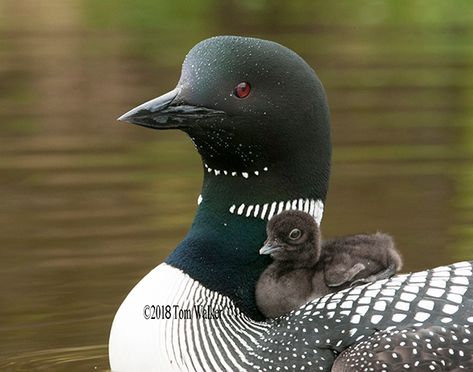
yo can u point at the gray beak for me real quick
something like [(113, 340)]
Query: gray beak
[(167, 112), (269, 248)]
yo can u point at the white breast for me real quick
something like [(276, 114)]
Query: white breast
[(180, 341), (137, 343)]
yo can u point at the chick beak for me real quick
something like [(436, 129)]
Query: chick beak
[(269, 247)]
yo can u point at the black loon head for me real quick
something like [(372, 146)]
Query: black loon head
[(293, 236), (253, 108), (258, 115)]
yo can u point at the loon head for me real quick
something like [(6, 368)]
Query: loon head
[(258, 115), (294, 238), (250, 106)]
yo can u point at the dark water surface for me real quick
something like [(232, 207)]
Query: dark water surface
[(88, 205)]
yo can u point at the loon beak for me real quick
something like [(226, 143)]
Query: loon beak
[(167, 112), (269, 248)]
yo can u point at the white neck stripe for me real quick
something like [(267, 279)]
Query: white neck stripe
[(266, 211)]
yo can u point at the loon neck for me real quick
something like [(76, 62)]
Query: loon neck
[(293, 176), (221, 250)]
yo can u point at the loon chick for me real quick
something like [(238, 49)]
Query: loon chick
[(302, 270), (259, 118), (292, 278)]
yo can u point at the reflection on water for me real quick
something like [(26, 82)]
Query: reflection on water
[(87, 358), (89, 206)]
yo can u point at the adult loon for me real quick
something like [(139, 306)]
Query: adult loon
[(258, 116), (302, 270)]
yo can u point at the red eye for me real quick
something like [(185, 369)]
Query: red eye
[(242, 90)]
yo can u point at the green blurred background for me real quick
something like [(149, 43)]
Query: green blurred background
[(88, 205)]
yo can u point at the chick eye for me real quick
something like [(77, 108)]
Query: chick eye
[(295, 234), (242, 89)]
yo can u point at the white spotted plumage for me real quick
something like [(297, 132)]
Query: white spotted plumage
[(371, 314)]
